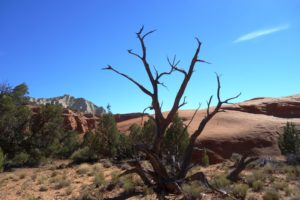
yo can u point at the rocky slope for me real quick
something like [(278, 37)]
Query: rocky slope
[(70, 102), (251, 126)]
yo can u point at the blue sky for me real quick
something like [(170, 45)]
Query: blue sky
[(59, 47)]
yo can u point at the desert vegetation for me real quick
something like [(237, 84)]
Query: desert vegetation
[(41, 159)]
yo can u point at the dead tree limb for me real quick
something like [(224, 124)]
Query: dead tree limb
[(163, 180), (240, 165), (209, 115)]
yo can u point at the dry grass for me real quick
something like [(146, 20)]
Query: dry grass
[(94, 180), (84, 169)]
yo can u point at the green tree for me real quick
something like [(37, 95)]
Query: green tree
[(14, 118), (176, 138), (108, 135), (148, 133), (105, 140), (47, 130), (289, 141), (174, 143)]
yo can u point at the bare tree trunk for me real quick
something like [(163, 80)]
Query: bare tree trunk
[(240, 166), (160, 176)]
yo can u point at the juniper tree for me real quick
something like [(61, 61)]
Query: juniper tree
[(158, 177)]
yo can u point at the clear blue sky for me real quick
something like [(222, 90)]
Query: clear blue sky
[(60, 46)]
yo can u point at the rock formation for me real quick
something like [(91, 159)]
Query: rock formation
[(67, 101), (251, 126)]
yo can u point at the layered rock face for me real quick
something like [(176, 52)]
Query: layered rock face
[(251, 126), (285, 107), (70, 102), (75, 121)]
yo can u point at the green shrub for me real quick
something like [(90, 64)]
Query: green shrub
[(107, 136), (279, 185), (84, 169), (59, 182), (68, 144), (240, 190), (271, 195), (2, 160), (252, 197), (289, 141), (175, 141), (220, 181), (192, 190), (287, 191), (99, 179), (20, 159), (293, 172), (83, 155), (128, 183), (257, 186), (115, 179), (14, 119), (269, 169)]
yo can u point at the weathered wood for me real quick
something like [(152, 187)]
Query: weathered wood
[(240, 166)]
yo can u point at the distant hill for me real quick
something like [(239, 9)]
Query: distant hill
[(70, 102)]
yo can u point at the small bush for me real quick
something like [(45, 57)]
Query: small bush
[(83, 155), (115, 179), (84, 169), (279, 185), (287, 191), (257, 186), (20, 159), (271, 195), (220, 182), (250, 179), (252, 197), (289, 141), (192, 191), (293, 173), (255, 176), (128, 183), (97, 167), (240, 190), (268, 169), (60, 182), (99, 179), (41, 179), (147, 190), (107, 164)]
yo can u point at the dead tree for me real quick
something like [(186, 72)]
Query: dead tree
[(240, 165), (159, 177)]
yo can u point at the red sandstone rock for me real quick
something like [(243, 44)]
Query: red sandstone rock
[(250, 126)]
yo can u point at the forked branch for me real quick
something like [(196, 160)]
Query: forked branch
[(209, 115), (130, 79)]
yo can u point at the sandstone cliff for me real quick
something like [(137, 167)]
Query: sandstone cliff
[(252, 126)]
